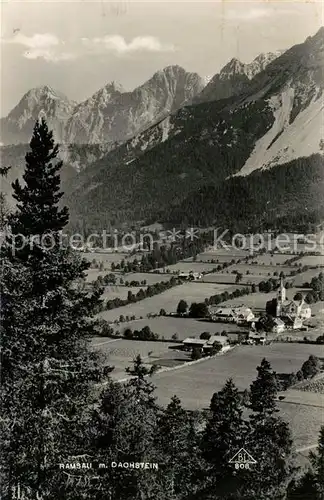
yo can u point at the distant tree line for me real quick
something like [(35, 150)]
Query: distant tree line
[(165, 255)]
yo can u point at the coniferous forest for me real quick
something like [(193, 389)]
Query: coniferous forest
[(59, 405)]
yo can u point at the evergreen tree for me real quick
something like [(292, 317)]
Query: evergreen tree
[(317, 461), (311, 484), (303, 489), (176, 442), (124, 430), (269, 441), (4, 208), (224, 435), (48, 370)]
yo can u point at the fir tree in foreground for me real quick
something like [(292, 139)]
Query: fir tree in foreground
[(269, 441), (123, 431), (48, 371), (311, 484), (224, 435)]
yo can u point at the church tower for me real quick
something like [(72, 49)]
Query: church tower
[(281, 297)]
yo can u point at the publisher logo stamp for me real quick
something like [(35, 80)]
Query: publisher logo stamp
[(242, 459)]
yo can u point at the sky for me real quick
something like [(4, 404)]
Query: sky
[(79, 46)]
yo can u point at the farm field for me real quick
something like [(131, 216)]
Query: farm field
[(230, 253), (256, 301), (316, 321), (197, 267), (195, 384), (303, 397), (120, 353), (312, 260), (272, 260), (183, 327), (150, 278), (305, 277), (93, 274), (168, 300), (115, 291), (230, 278), (305, 422), (108, 258), (305, 247), (219, 259), (261, 270)]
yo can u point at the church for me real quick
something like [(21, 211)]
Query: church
[(291, 308)]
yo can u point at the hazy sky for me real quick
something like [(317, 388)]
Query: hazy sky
[(79, 46)]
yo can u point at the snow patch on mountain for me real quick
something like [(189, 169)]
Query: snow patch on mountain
[(286, 141)]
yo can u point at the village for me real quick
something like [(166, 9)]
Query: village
[(213, 316)]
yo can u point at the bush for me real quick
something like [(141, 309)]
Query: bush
[(311, 367), (196, 353), (205, 336)]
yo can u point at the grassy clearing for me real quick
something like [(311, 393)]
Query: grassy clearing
[(120, 353), (256, 301), (229, 278), (150, 278), (195, 384), (93, 274), (312, 260), (272, 260), (305, 277), (230, 253), (108, 258), (219, 259), (197, 267), (183, 327), (261, 270), (115, 291), (305, 422)]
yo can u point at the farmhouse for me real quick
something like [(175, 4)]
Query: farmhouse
[(225, 314), (239, 315), (191, 276), (221, 339), (244, 314), (205, 345), (190, 343)]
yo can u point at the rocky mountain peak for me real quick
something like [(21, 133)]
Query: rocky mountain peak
[(43, 101), (233, 67), (114, 115)]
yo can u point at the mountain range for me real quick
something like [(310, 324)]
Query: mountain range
[(151, 153), (111, 115)]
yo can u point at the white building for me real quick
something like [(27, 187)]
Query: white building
[(244, 314), (225, 314), (293, 308)]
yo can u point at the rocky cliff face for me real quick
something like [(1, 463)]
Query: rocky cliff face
[(39, 102), (234, 78), (114, 115)]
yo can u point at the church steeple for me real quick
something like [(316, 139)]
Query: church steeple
[(281, 297), (282, 292)]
